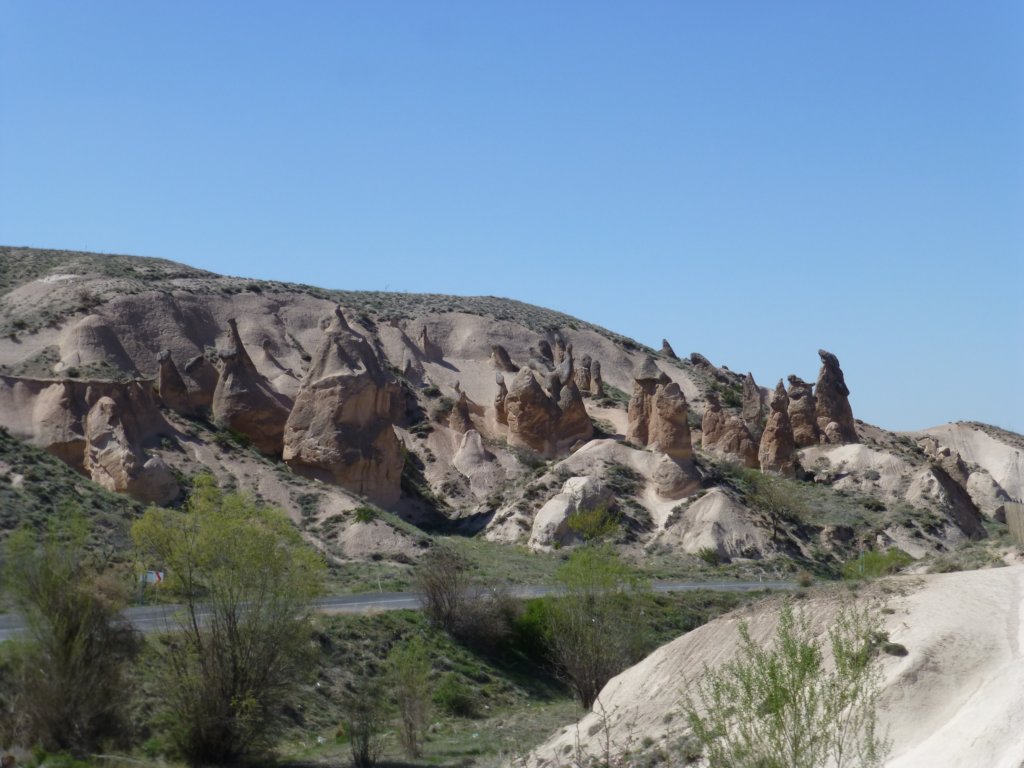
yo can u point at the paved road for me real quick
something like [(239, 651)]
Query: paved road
[(156, 618)]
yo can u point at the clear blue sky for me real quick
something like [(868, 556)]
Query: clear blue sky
[(752, 180)]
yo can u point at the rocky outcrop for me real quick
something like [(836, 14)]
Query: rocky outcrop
[(200, 377), (596, 382), (777, 450), (170, 385), (753, 409), (341, 427), (727, 435), (245, 402), (832, 410), (544, 348), (114, 459), (669, 430), (666, 349), (431, 351), (548, 422), (459, 419), (500, 412), (551, 523), (658, 413), (501, 359), (802, 412), (582, 373), (646, 378)]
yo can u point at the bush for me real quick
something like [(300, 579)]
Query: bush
[(408, 676), (68, 677), (782, 706), (595, 524), (454, 698), (872, 564)]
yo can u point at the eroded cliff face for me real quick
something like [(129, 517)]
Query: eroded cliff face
[(341, 427), (832, 410)]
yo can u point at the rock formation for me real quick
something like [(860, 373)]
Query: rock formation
[(666, 349), (245, 402), (596, 382), (114, 460), (546, 422), (658, 413), (727, 435), (458, 419), (500, 414), (802, 417), (545, 352), (201, 377), (170, 385), (431, 351), (501, 359), (551, 523), (832, 411), (582, 373), (753, 409), (777, 451), (341, 427), (668, 430)]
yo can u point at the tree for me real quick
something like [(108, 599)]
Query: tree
[(775, 497), (68, 677), (595, 628), (408, 675), (441, 578), (247, 581), (784, 707)]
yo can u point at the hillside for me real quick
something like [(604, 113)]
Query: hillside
[(374, 417)]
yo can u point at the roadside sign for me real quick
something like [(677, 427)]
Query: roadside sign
[(153, 577)]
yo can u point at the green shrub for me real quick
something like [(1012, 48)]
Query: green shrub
[(365, 514), (455, 698), (595, 524), (872, 564)]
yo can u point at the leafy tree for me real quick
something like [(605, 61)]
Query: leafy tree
[(595, 628), (247, 581), (68, 681), (774, 497), (409, 675), (442, 580), (783, 707)]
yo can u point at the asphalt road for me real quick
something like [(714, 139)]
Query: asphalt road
[(159, 618)]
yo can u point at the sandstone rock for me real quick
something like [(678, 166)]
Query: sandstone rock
[(114, 460), (561, 350), (458, 419), (57, 418), (551, 523), (668, 429), (582, 373), (832, 402), (802, 417), (431, 351), (717, 522), (200, 377), (500, 413), (543, 422), (753, 410), (471, 453), (501, 359), (777, 451), (244, 400), (173, 392), (666, 349), (531, 412), (545, 351), (657, 413), (700, 361), (341, 428), (596, 382), (727, 435)]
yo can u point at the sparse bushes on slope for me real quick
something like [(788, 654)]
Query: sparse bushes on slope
[(782, 707)]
